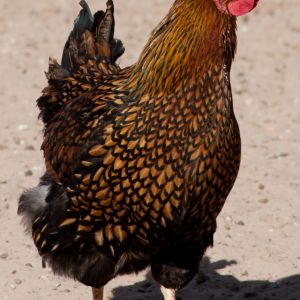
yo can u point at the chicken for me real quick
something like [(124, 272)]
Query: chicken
[(139, 160)]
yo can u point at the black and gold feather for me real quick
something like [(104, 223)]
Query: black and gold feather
[(140, 160)]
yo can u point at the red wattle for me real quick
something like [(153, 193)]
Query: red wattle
[(241, 7)]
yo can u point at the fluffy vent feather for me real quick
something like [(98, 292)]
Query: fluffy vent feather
[(32, 202)]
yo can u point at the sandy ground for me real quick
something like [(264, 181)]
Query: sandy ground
[(257, 245)]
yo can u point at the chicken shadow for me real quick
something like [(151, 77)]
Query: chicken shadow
[(209, 284)]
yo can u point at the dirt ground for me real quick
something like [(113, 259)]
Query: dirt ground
[(257, 245)]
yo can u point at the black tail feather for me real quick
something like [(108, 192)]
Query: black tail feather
[(92, 37), (83, 22), (105, 25), (91, 41)]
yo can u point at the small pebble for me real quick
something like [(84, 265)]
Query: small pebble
[(12, 286), (283, 154), (14, 272), (4, 255), (44, 277), (28, 265), (227, 227), (28, 173), (18, 281), (22, 127), (17, 140), (3, 147), (241, 223), (57, 286), (261, 187), (29, 147), (264, 201)]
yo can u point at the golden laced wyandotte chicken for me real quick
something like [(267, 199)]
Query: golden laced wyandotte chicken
[(139, 160)]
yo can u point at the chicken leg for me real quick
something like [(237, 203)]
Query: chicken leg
[(98, 293), (169, 294)]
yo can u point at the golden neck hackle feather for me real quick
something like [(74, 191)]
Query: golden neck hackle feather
[(189, 40)]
